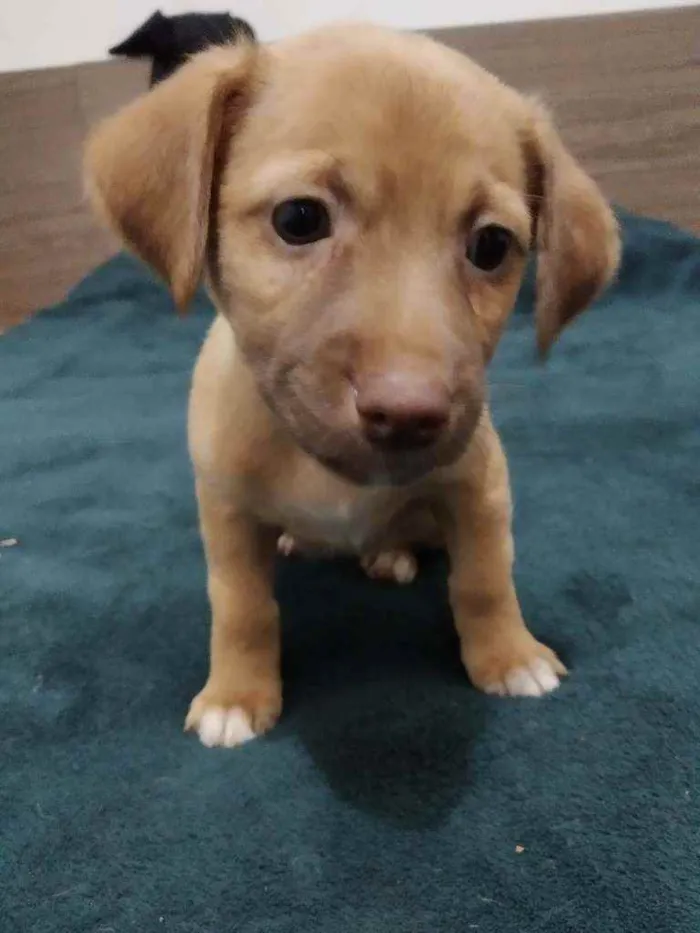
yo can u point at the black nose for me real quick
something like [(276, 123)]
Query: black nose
[(402, 411)]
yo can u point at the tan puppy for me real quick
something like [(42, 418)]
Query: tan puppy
[(362, 203)]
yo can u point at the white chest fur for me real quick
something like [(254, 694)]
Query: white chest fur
[(317, 508), (342, 526)]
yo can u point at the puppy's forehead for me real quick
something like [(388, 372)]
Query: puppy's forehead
[(401, 101)]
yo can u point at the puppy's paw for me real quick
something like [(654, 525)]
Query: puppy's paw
[(286, 545), (289, 546), (219, 726), (396, 566), (232, 719), (530, 670)]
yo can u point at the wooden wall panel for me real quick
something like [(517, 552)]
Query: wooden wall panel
[(626, 94), (48, 238)]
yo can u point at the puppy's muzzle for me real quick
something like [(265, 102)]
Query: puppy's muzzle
[(401, 410)]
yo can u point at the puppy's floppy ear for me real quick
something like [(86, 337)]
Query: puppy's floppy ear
[(577, 236), (150, 168)]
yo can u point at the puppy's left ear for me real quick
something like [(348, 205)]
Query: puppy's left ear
[(577, 236)]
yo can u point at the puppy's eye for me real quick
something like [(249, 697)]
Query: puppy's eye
[(488, 247), (301, 220)]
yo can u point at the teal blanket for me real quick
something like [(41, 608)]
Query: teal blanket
[(392, 796)]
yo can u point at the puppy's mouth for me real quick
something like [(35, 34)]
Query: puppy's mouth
[(381, 469), (322, 417), (339, 445)]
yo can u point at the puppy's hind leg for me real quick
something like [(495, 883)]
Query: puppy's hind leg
[(394, 560), (287, 545), (397, 565)]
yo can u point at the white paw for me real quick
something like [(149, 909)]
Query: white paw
[(225, 727), (286, 545), (534, 680), (396, 566)]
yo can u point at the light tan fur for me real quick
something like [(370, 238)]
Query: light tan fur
[(412, 147)]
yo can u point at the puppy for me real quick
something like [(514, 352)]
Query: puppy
[(362, 204)]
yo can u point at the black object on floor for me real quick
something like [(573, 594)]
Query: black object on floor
[(170, 40), (392, 796)]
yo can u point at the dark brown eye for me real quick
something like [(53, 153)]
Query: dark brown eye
[(301, 220), (488, 247)]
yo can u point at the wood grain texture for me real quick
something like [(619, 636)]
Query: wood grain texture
[(48, 238), (625, 91)]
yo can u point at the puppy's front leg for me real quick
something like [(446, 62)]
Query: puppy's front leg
[(243, 694), (500, 654)]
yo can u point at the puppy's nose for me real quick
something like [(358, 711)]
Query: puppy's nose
[(402, 410)]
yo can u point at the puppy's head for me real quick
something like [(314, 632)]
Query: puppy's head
[(362, 204)]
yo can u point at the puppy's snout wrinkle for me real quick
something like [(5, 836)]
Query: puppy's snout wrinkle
[(399, 409)]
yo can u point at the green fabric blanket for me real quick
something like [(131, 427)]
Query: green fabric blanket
[(392, 796)]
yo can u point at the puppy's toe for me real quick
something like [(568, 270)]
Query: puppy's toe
[(229, 724), (518, 673), (533, 680), (396, 566), (286, 545), (227, 727)]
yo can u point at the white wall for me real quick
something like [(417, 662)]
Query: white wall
[(38, 33)]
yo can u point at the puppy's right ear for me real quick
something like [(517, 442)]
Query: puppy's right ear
[(150, 168)]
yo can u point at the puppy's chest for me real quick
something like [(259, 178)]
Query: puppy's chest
[(343, 525), (320, 510)]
